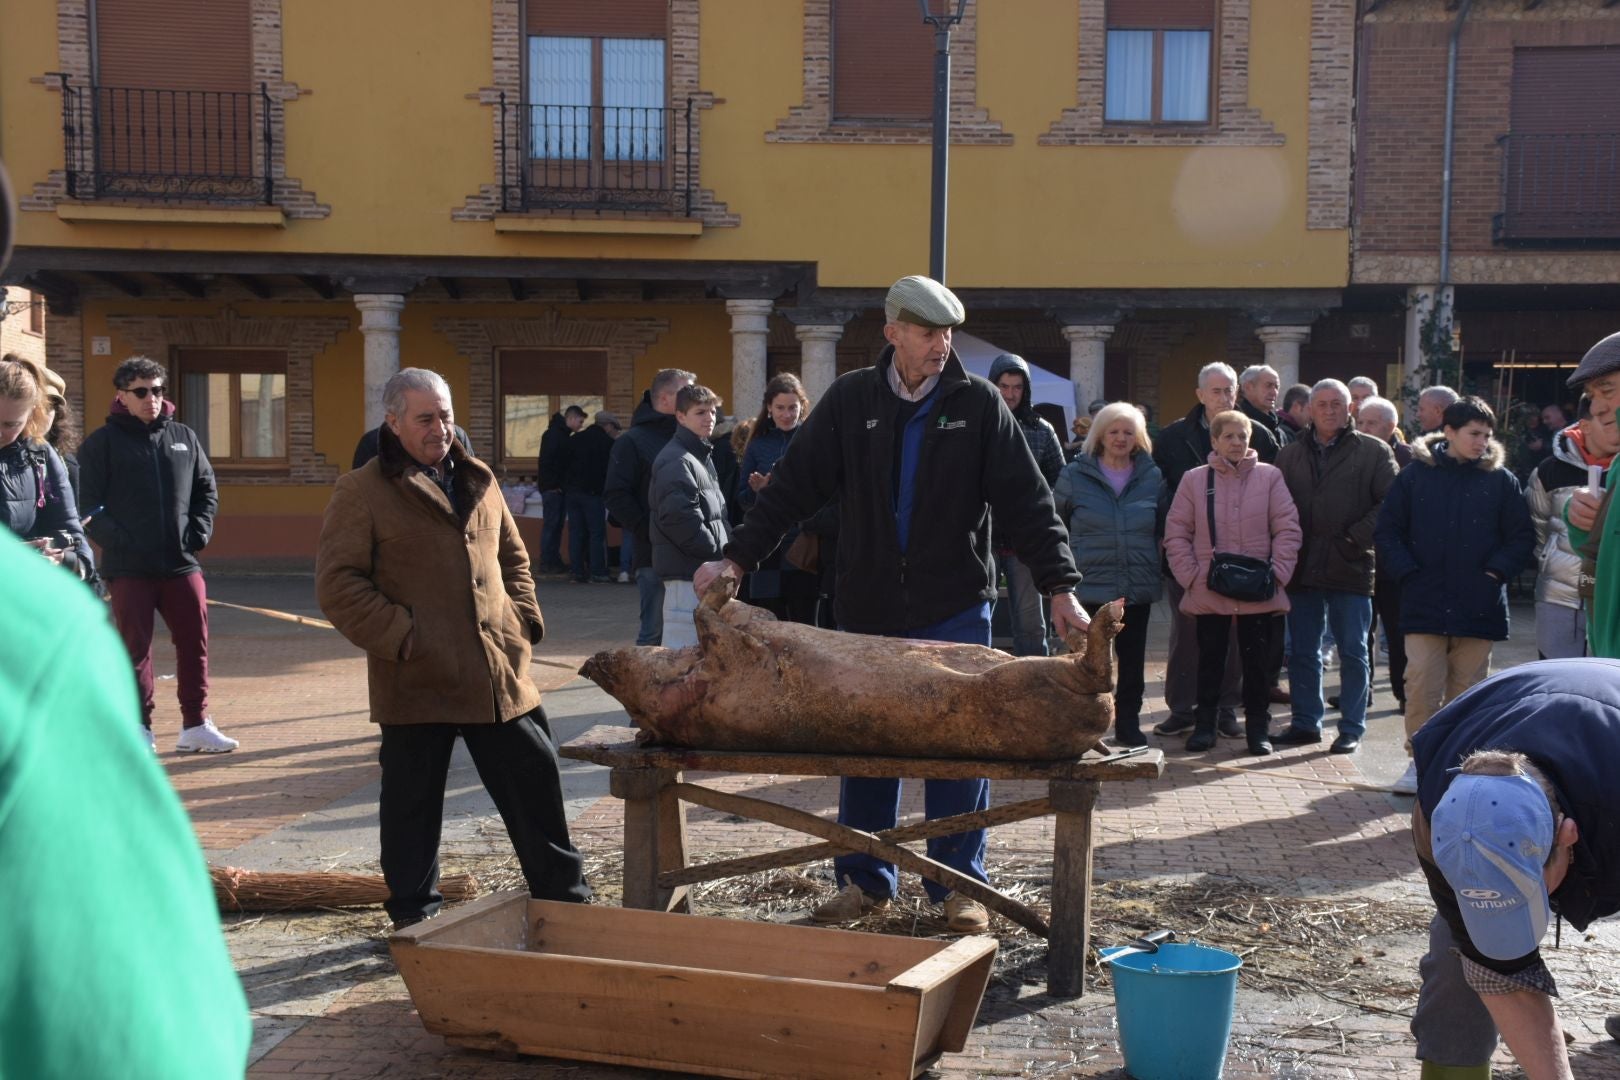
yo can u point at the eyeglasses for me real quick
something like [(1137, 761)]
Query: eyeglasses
[(142, 391)]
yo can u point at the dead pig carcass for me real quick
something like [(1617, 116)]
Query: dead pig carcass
[(754, 683)]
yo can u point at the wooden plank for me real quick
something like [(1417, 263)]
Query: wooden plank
[(866, 843), (713, 944), (925, 830), (320, 284), (186, 283), (952, 984), (671, 851), (606, 745), (930, 973), (640, 789), (477, 922), (965, 994), (662, 1016), (1071, 887)]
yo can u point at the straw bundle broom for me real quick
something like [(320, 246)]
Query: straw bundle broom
[(237, 889)]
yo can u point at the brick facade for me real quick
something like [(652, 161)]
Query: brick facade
[(812, 120), (477, 340), (1332, 101), (302, 337), (506, 79), (73, 29), (1401, 131), (1236, 123)]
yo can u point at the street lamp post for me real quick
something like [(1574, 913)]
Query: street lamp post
[(943, 24)]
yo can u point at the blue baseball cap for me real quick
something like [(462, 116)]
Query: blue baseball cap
[(1491, 837)]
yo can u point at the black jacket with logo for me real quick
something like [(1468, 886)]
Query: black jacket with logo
[(156, 494), (974, 460)]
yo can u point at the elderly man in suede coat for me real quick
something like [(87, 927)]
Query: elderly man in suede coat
[(420, 564)]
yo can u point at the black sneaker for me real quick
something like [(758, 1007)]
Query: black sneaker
[(1294, 736), (1173, 725), (1229, 727)]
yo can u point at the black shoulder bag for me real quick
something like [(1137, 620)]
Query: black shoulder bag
[(1236, 577)]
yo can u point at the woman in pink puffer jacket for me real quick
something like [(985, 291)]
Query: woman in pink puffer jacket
[(1254, 515)]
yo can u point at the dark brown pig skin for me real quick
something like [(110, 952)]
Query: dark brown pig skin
[(754, 683)]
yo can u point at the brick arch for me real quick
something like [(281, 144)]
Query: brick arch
[(476, 340), (303, 339)]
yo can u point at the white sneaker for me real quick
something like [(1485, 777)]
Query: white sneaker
[(151, 740), (205, 738), (1408, 783), (624, 578)]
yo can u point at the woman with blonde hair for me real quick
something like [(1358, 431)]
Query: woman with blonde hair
[(787, 591), (1236, 507), (1112, 498), (36, 499)]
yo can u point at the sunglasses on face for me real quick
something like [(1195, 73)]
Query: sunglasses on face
[(142, 391)]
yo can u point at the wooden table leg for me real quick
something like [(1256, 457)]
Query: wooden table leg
[(654, 834), (1070, 939)]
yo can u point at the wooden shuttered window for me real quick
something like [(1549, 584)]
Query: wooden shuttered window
[(1561, 156), (883, 61), (597, 18), (174, 44), (1161, 14)]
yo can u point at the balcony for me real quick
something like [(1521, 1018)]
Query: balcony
[(167, 146), (1559, 189), (629, 159)]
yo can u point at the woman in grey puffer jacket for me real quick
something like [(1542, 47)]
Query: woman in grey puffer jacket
[(1011, 376), (1560, 612), (1113, 498)]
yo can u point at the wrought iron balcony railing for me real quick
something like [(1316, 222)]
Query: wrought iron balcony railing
[(167, 145), (596, 157), (1560, 188)]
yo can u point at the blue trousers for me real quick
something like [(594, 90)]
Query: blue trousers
[(587, 535), (873, 804), (1349, 615), (651, 588), (551, 530)]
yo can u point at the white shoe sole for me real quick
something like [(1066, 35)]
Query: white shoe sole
[(203, 749)]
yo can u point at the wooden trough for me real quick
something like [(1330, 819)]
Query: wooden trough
[(682, 992)]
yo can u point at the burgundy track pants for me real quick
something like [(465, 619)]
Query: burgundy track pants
[(183, 603)]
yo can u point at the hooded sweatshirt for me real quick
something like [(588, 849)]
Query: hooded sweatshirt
[(156, 494)]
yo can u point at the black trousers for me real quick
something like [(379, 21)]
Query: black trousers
[(797, 600), (517, 762), (1130, 660), (1254, 653), (1387, 610)]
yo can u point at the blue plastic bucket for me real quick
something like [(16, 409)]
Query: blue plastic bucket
[(1175, 1010)]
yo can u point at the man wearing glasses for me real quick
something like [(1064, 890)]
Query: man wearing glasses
[(149, 492)]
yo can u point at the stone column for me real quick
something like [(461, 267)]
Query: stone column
[(750, 322), (1282, 350), (819, 346), (1088, 344), (379, 322)]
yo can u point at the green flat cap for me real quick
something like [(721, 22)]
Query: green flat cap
[(924, 301)]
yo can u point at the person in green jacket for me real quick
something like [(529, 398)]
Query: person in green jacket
[(114, 962), (1594, 523)]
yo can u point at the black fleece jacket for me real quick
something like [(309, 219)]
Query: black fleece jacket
[(974, 460), (157, 494)]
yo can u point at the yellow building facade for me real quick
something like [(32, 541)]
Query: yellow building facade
[(549, 200)]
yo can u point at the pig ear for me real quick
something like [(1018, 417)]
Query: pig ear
[(720, 590)]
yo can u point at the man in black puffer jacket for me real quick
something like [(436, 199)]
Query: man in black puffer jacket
[(918, 453), (149, 493), (628, 477), (1010, 374), (588, 454)]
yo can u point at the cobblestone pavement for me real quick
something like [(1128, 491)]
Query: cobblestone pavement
[(301, 795)]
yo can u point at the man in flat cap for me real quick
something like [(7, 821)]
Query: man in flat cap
[(918, 453), (1594, 526)]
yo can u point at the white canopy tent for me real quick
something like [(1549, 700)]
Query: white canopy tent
[(1045, 388)]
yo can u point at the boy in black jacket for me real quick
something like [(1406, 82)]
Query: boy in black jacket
[(688, 510)]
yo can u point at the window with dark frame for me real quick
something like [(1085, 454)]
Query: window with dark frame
[(236, 402), (532, 386), (36, 313), (882, 63), (1160, 61)]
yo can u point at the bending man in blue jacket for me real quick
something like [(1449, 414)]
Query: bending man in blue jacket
[(918, 453), (1515, 822)]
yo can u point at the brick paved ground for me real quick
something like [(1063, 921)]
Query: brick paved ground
[(327, 1001)]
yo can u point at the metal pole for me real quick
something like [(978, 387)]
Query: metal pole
[(942, 151), (1449, 138)]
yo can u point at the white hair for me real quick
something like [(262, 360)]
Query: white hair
[(1254, 371), (1217, 368), (1377, 406), (1444, 393), (411, 378), (1331, 384), (1361, 382)]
